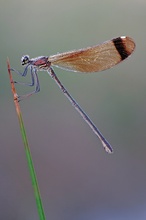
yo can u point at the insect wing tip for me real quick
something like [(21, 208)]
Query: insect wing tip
[(129, 44)]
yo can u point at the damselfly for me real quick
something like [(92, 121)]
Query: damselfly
[(91, 59)]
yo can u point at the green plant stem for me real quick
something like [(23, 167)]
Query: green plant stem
[(27, 150)]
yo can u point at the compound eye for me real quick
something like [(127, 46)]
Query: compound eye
[(25, 60)]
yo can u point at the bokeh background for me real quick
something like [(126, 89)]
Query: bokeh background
[(77, 179)]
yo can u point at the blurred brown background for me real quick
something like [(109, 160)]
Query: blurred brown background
[(77, 179)]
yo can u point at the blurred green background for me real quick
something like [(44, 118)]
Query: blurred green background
[(77, 179)]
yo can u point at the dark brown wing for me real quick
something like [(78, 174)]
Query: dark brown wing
[(96, 58)]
